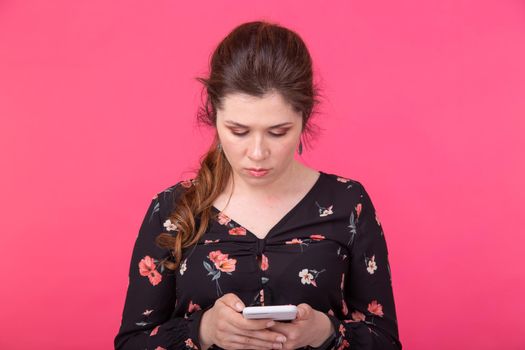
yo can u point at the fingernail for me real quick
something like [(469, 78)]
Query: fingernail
[(281, 339), (277, 346), (270, 324), (238, 306)]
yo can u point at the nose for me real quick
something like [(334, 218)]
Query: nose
[(258, 150)]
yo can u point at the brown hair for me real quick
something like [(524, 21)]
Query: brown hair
[(255, 58)]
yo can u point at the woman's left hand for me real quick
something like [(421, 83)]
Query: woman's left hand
[(310, 327)]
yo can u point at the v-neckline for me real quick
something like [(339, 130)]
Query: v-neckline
[(286, 216)]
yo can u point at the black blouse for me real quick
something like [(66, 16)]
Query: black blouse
[(328, 251)]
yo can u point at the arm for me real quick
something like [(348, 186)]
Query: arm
[(370, 318), (150, 299)]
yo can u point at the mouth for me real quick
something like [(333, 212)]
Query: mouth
[(257, 172)]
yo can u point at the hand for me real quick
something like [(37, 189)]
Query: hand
[(224, 326), (310, 327)]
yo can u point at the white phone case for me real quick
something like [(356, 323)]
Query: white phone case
[(274, 312)]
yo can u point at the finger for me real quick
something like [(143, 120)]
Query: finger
[(303, 311), (282, 327), (232, 301), (240, 322), (242, 346), (266, 335), (245, 342)]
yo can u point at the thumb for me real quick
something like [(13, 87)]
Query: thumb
[(234, 302), (301, 312)]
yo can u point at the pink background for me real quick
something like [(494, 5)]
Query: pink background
[(424, 105)]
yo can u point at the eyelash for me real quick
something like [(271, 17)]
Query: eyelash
[(244, 133)]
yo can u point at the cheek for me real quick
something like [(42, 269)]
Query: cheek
[(289, 146), (233, 150)]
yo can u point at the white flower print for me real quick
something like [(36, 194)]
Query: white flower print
[(306, 277), (324, 211), (147, 312), (183, 267), (371, 265), (345, 180), (169, 225)]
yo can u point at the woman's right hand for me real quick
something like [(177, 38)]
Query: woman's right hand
[(224, 326)]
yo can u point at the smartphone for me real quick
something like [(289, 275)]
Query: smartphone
[(274, 312)]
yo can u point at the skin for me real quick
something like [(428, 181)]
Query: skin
[(261, 147)]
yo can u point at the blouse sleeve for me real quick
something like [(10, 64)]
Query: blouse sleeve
[(147, 321), (368, 303)]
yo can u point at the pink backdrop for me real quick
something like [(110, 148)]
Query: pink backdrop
[(425, 100)]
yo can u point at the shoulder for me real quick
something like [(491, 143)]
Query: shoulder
[(339, 182), (348, 192), (176, 189), (167, 197)]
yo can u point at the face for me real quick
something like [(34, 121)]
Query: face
[(258, 133)]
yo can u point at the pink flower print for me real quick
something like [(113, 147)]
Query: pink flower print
[(358, 209), (193, 307), (264, 263), (261, 293), (344, 307), (186, 183), (237, 231), (371, 264), (160, 348), (147, 268), (317, 237), (358, 316), (208, 241), (342, 179), (222, 262), (345, 344), (342, 330), (375, 308), (294, 241), (189, 344), (223, 219), (154, 331)]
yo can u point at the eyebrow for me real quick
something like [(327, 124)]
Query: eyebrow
[(231, 122)]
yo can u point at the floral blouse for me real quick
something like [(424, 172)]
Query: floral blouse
[(328, 251)]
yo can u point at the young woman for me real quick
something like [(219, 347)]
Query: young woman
[(257, 227)]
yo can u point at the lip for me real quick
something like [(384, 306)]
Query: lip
[(257, 172), (257, 169)]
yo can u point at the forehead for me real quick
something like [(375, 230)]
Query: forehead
[(269, 109)]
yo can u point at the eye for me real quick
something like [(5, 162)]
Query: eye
[(271, 133)]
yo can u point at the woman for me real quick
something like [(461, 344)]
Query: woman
[(257, 227)]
